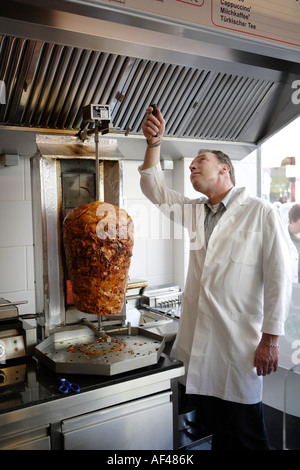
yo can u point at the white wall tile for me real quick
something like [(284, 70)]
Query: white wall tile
[(13, 269), (16, 223), (12, 182), (138, 265), (159, 257), (27, 179), (160, 280), (30, 268), (131, 180), (146, 217)]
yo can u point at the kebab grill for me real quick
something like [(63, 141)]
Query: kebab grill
[(84, 322)]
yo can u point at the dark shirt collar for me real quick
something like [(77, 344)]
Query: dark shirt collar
[(225, 202)]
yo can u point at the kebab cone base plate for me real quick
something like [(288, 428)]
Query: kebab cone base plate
[(77, 350)]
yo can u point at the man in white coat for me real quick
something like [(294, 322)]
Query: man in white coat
[(237, 291)]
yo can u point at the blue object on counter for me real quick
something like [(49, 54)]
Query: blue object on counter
[(67, 386)]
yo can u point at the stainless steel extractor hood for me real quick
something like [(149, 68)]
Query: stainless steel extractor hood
[(57, 57)]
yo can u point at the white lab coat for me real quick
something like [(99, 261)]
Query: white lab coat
[(238, 287)]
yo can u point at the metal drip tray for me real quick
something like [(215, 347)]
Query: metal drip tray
[(61, 351), (149, 318)]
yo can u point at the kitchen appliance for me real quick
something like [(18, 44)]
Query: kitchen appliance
[(159, 310), (64, 176), (17, 342), (164, 300), (17, 335), (68, 172), (108, 346)]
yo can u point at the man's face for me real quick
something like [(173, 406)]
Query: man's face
[(205, 172)]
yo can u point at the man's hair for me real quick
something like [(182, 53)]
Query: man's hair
[(223, 158), (294, 213)]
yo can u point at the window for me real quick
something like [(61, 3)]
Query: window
[(280, 177)]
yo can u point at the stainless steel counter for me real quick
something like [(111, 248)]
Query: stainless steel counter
[(133, 410)]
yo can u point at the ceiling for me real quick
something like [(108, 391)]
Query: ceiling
[(55, 62)]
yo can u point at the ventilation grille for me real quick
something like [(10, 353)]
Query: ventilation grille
[(47, 86)]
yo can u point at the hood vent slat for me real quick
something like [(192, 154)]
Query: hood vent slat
[(48, 85)]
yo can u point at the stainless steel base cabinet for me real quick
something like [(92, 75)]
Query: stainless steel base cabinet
[(144, 424), (32, 439), (135, 411)]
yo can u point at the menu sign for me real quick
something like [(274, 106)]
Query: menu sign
[(268, 20), (275, 20)]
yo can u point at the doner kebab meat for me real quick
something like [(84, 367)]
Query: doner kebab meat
[(98, 241)]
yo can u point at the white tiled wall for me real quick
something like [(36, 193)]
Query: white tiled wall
[(152, 255), (16, 240)]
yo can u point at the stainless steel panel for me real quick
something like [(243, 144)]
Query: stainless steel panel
[(79, 189), (139, 425), (33, 439), (54, 300), (57, 59), (196, 102)]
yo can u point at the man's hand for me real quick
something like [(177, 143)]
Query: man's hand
[(266, 357), (153, 127)]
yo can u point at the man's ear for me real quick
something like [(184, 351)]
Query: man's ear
[(224, 169)]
